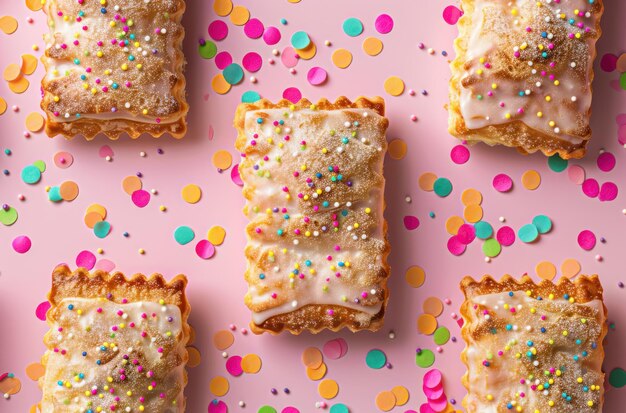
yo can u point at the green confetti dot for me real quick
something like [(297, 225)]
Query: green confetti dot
[(441, 336), (617, 378), (442, 187), (528, 233), (352, 27), (250, 96), (375, 359), (233, 73), (207, 50), (9, 216), (556, 163), (339, 408), (424, 358), (184, 235), (300, 40), (54, 194), (492, 248), (41, 165), (483, 229), (102, 229), (622, 81), (266, 409), (31, 174), (543, 224)]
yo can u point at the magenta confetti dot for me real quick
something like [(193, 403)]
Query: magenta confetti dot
[(440, 404), (235, 176), (432, 378), (608, 63), (606, 161), (608, 192), (86, 259), (502, 183), (434, 393), (316, 76), (591, 188), (411, 222), (42, 309), (452, 14), (292, 94), (104, 151), (576, 174), (105, 265), (455, 246), (271, 36), (218, 30), (506, 236), (289, 57), (205, 249), (587, 240), (425, 408), (621, 134), (332, 349), (383, 24), (621, 119), (233, 366), (21, 244), (290, 409), (252, 62), (254, 28), (140, 198), (460, 154), (466, 234), (217, 406), (222, 60)]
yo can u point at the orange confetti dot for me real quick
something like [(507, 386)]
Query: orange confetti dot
[(308, 52), (328, 389), (19, 85), (131, 184), (99, 209), (34, 5), (35, 370), (402, 395), (312, 357), (35, 122), (342, 58), (385, 401), (473, 213), (194, 357), (251, 363), (415, 276), (8, 24), (531, 179), (69, 190), (394, 86), (471, 196), (191, 193), (570, 268), (239, 15), (427, 181), (397, 149), (92, 218), (34, 408), (453, 224), (29, 64), (219, 386), (433, 306), (372, 46), (223, 339), (222, 159), (426, 324), (12, 72), (222, 7), (216, 235), (10, 385), (318, 373), (546, 270), (220, 85), (3, 106)]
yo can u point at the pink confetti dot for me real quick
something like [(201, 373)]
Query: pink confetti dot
[(104, 151), (233, 366), (411, 222), (506, 236), (289, 57), (434, 393), (222, 60), (86, 259), (432, 378), (292, 94), (591, 188), (608, 192), (502, 183), (440, 404), (218, 30), (21, 244), (252, 62), (621, 119), (383, 24), (217, 406), (621, 134), (254, 28), (466, 234), (235, 176), (205, 249), (271, 36), (63, 160), (576, 174), (335, 349), (425, 408), (290, 409), (105, 265), (606, 161), (452, 14), (608, 63), (140, 198), (455, 246), (316, 76), (586, 240), (460, 154), (42, 309)]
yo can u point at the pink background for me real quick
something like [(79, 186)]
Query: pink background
[(216, 286)]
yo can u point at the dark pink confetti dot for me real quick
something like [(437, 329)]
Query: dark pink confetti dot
[(452, 14), (411, 222), (587, 240), (466, 234), (141, 198), (271, 36), (21, 244), (502, 183), (608, 192), (252, 62), (86, 259), (218, 30), (292, 94), (42, 309), (608, 63), (384, 24), (506, 236), (460, 154), (591, 188), (254, 28), (606, 161), (455, 246), (222, 60)]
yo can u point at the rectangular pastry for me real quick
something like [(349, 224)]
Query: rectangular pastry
[(523, 72), (317, 239), (114, 67), (533, 348), (115, 344)]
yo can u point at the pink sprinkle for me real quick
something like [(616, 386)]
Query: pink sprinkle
[(205, 249), (587, 240), (292, 94), (411, 222), (452, 14), (252, 62), (460, 154), (502, 183), (222, 60), (432, 378), (506, 236), (466, 234), (455, 246), (608, 192), (86, 259), (608, 63), (42, 309), (606, 161), (576, 174), (271, 35), (235, 177), (317, 76), (218, 30), (289, 57), (383, 24), (591, 188), (140, 198), (21, 244), (254, 28)]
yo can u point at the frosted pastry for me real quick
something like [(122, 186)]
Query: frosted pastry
[(533, 348), (115, 344), (523, 72), (114, 67), (317, 239)]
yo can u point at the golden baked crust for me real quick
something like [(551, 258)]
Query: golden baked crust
[(114, 69), (115, 337), (508, 38), (533, 346), (302, 273)]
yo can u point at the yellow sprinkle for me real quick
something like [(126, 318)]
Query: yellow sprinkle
[(548, 98), (539, 114), (556, 83), (494, 86), (551, 403), (565, 332), (142, 251), (490, 397), (580, 379), (590, 403), (368, 210), (551, 296)]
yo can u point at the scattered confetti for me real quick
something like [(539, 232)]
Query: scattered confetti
[(8, 215), (205, 249), (442, 187), (397, 149), (191, 193), (219, 386), (531, 180), (218, 30), (433, 306), (141, 198), (223, 339), (415, 276), (586, 240), (426, 324), (34, 371), (253, 28), (292, 94), (64, 160), (251, 364), (546, 270), (543, 224), (427, 181), (394, 86), (342, 58), (471, 196), (411, 222), (8, 24), (617, 377), (384, 24), (239, 15), (42, 309), (492, 248), (570, 268), (86, 259), (184, 235), (328, 389), (271, 36), (372, 46), (385, 401), (528, 233), (21, 244), (252, 62), (506, 236), (69, 191), (556, 163), (375, 359), (216, 235), (452, 14), (316, 76), (352, 27), (473, 213), (222, 159), (424, 358)]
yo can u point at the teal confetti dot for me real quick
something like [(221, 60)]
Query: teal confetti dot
[(441, 336), (352, 27), (492, 248), (184, 235), (41, 165), (528, 233), (543, 224), (375, 359), (617, 378), (424, 358), (266, 409), (54, 194), (442, 187), (250, 96), (556, 163), (31, 174), (233, 73), (483, 229), (300, 40), (339, 408), (9, 216), (207, 50), (102, 229)]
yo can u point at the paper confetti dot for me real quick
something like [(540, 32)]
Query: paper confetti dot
[(385, 401), (235, 176), (195, 358), (328, 389), (442, 187), (402, 395), (69, 190), (223, 60), (184, 235), (397, 149), (300, 40), (216, 235), (191, 193), (336, 348), (41, 165), (473, 213), (432, 379), (250, 96), (289, 57), (466, 234), (204, 249), (586, 240), (433, 306), (266, 409), (12, 72), (253, 28), (471, 196), (318, 373), (339, 408), (556, 163), (220, 85), (608, 62), (219, 386), (21, 244), (271, 36), (316, 75), (292, 94), (102, 229), (452, 14), (352, 27), (217, 406), (546, 270), (8, 24), (252, 62), (54, 194), (312, 357), (29, 64), (141, 198), (223, 339), (218, 30), (528, 233), (372, 46), (31, 174), (455, 246), (375, 359), (415, 276), (543, 224), (233, 366), (3, 105), (222, 159), (506, 236), (233, 73), (483, 229), (342, 58), (441, 336), (411, 222), (460, 154), (239, 15), (86, 259), (222, 7), (131, 184), (394, 86), (308, 53), (42, 309), (383, 24), (34, 5), (576, 174), (9, 216), (617, 377), (608, 192), (426, 324), (251, 363), (531, 180), (19, 86), (105, 265), (591, 188), (424, 358), (426, 181), (570, 268), (453, 224), (207, 50)]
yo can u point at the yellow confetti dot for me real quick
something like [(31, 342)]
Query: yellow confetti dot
[(328, 389), (34, 5), (397, 149), (546, 270), (473, 213), (29, 64), (3, 106), (220, 85), (12, 72), (317, 373), (415, 276), (216, 235), (308, 52), (471, 196), (222, 159), (453, 224), (531, 179), (191, 193), (222, 7), (570, 268), (342, 58), (35, 122), (251, 363), (372, 46), (8, 24), (239, 15), (402, 395), (394, 86), (385, 401), (219, 386), (427, 181)]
